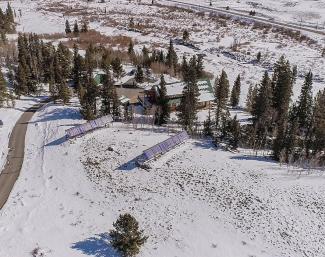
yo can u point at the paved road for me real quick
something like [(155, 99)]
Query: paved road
[(15, 156), (241, 15)]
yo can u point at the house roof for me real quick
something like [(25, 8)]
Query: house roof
[(175, 90)]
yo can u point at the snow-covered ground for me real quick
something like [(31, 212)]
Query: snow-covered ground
[(194, 201), (9, 116)]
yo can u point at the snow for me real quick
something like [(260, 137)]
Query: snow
[(10, 116), (194, 201)]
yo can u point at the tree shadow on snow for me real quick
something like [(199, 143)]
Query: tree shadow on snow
[(253, 158), (60, 114), (98, 246), (58, 141), (130, 165)]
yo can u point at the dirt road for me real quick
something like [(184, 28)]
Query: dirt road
[(15, 157)]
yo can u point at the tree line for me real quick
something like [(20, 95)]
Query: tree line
[(293, 130), (7, 22)]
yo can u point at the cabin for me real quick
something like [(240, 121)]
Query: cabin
[(175, 93)]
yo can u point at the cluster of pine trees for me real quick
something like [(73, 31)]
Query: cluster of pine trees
[(7, 22), (40, 63), (76, 30), (295, 131)]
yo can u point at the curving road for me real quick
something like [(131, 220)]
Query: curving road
[(15, 157), (275, 23)]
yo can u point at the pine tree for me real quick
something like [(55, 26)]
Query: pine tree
[(89, 95), (235, 93), (187, 110), (207, 125), (3, 90), (64, 92), (106, 94), (221, 96), (199, 66), (305, 102), (164, 110), (262, 105), (251, 97), (234, 130), (77, 67), (282, 88), (117, 67), (131, 49), (186, 35), (317, 133), (126, 236), (139, 77), (67, 27), (76, 28), (146, 61), (171, 57), (115, 103)]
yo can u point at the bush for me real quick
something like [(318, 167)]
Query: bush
[(126, 236)]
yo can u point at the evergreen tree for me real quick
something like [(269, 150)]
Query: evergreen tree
[(251, 97), (207, 125), (64, 92), (139, 77), (317, 133), (199, 66), (262, 105), (126, 236), (115, 103), (186, 35), (131, 49), (305, 102), (235, 93), (89, 94), (221, 96), (234, 130), (282, 88), (76, 28), (106, 94), (187, 109), (3, 90), (67, 27), (117, 67), (171, 57), (164, 110), (77, 67)]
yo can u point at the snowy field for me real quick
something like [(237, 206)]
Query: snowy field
[(195, 201)]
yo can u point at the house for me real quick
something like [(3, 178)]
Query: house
[(99, 76), (175, 93)]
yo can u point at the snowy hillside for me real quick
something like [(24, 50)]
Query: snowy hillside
[(196, 201)]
